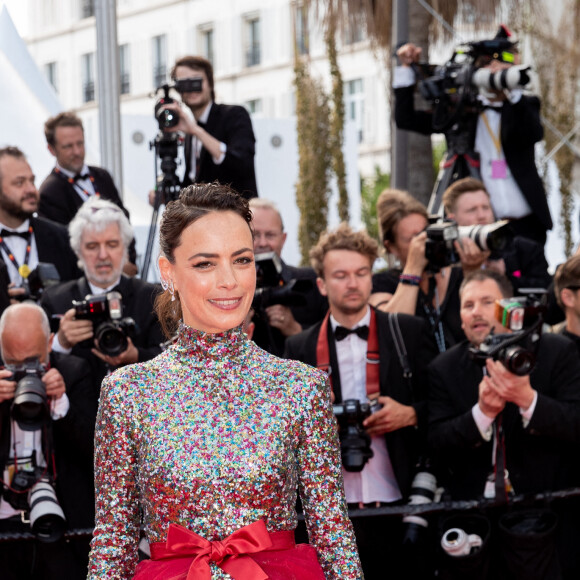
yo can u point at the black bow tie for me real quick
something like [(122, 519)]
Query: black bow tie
[(79, 176), (340, 332), (7, 233)]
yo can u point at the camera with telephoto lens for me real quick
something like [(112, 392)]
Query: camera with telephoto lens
[(454, 87), (31, 490), (42, 277), (355, 442), (441, 234), (30, 408), (110, 328), (166, 118), (270, 286), (423, 491), (456, 542), (516, 350)]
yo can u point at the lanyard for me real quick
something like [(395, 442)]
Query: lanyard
[(372, 365), (23, 270), (84, 194), (495, 138)]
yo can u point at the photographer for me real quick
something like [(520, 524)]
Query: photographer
[(467, 202), (502, 128), (61, 448), (412, 288), (72, 181), (567, 291), (25, 240), (350, 335), (275, 322), (539, 412), (219, 142), (100, 234)]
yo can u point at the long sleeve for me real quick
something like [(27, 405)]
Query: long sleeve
[(114, 545), (321, 487)]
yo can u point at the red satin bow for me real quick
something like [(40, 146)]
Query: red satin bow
[(229, 554)]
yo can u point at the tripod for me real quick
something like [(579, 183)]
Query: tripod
[(460, 161), (167, 185)]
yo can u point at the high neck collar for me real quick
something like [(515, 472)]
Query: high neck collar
[(223, 344)]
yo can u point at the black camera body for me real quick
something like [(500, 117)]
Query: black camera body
[(516, 350), (270, 286), (166, 118), (30, 408), (355, 442), (111, 330)]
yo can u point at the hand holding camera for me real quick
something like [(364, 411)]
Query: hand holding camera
[(129, 356), (7, 386), (71, 331), (510, 387), (391, 416)]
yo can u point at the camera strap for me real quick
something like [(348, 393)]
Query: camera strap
[(23, 269), (83, 193), (401, 349), (372, 358)]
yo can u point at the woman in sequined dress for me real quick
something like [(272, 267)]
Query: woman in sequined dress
[(206, 445)]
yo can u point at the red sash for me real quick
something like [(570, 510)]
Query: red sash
[(231, 554)]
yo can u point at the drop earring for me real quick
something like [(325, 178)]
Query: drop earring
[(168, 285)]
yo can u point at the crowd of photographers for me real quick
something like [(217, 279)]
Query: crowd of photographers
[(447, 383)]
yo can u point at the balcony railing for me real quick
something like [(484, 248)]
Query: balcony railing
[(89, 92)]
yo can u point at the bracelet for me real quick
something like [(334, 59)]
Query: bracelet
[(409, 279)]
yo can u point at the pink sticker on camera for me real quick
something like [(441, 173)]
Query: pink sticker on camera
[(498, 169)]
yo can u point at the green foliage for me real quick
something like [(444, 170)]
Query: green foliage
[(439, 151), (370, 189), (312, 189)]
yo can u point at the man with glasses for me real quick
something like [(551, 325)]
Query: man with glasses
[(276, 321), (219, 142), (567, 290)]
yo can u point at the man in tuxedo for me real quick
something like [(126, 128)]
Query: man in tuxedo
[(219, 142), (72, 181), (25, 240), (63, 451), (276, 321), (100, 234), (522, 260), (357, 345), (503, 133)]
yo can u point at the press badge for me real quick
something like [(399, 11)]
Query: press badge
[(499, 169)]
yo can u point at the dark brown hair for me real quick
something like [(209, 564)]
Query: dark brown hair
[(194, 202), (567, 276), (392, 206), (10, 151), (66, 119), (458, 188), (342, 238), (505, 286), (196, 63)]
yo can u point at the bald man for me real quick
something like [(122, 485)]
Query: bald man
[(59, 446)]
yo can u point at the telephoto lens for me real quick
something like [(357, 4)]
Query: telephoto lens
[(46, 516), (456, 542)]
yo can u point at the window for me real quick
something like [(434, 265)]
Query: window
[(87, 8), (354, 32), (159, 60), (50, 74), (206, 37), (301, 30), (354, 105), (252, 41), (125, 69), (254, 106), (88, 76)]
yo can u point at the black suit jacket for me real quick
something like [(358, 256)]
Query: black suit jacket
[(311, 311), (405, 444), (541, 456), (52, 243), (59, 200), (526, 265), (138, 299), (521, 128), (230, 124), (73, 441)]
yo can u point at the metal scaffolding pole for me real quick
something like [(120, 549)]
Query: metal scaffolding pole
[(109, 89), (399, 141)]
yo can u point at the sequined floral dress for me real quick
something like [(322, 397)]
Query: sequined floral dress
[(214, 434)]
